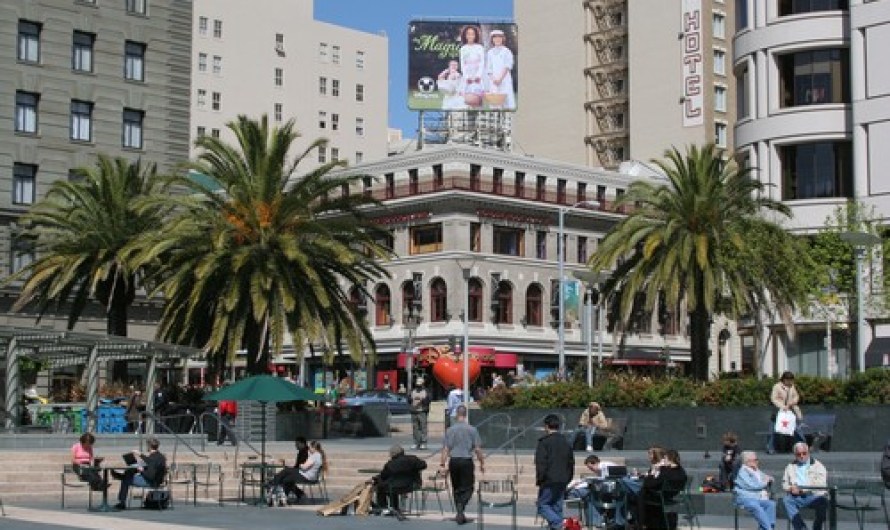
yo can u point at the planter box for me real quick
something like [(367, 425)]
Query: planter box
[(858, 428)]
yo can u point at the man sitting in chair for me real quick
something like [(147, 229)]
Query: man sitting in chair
[(400, 475), (149, 473), (805, 482)]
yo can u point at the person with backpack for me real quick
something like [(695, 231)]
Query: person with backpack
[(149, 473)]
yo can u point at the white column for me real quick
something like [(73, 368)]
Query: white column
[(761, 84), (92, 389), (13, 385)]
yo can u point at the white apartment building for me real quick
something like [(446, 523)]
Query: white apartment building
[(814, 122), (273, 58), (634, 78)]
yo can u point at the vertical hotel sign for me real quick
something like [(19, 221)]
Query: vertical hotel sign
[(693, 64)]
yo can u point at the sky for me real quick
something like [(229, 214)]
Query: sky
[(392, 17)]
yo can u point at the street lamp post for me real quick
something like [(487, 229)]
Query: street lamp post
[(411, 322), (465, 349), (592, 279), (861, 241), (561, 296)]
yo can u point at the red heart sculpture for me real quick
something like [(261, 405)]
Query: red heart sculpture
[(447, 371)]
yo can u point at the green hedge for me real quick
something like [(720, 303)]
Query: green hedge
[(623, 390)]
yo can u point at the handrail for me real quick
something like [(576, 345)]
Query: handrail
[(535, 424), (230, 432), (177, 439), (516, 469)]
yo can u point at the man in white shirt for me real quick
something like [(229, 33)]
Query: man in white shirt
[(580, 488), (455, 399), (805, 482)]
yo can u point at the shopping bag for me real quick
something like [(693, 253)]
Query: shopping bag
[(786, 422)]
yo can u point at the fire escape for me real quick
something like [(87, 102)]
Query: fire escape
[(607, 106)]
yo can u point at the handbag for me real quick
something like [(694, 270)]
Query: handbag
[(786, 422)]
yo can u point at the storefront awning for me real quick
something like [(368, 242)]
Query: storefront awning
[(487, 357)]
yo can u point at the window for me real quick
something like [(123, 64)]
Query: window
[(475, 177), (796, 7), (322, 119), (581, 195), (134, 61), (741, 14), (741, 91), (818, 169), (335, 154), (508, 241), (323, 52), (719, 25), (438, 177), (475, 237), (335, 88), (202, 26), (390, 183), (29, 41), (814, 77), (541, 187), (503, 296), (497, 180), (719, 62), (202, 62), (534, 298), (215, 101), (382, 306), (202, 98), (720, 134), (82, 51), (335, 54), (279, 43), (335, 122), (138, 7), (438, 301), (601, 194), (561, 191), (81, 120), (133, 128), (359, 92), (202, 131), (359, 156), (279, 77), (720, 98), (359, 126), (322, 154), (22, 253), (413, 181), (425, 239), (279, 112), (474, 293), (26, 112), (360, 60), (323, 86), (582, 249), (24, 180), (519, 183), (541, 244), (214, 133), (217, 29), (217, 64)]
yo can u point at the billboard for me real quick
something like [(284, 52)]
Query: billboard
[(462, 65)]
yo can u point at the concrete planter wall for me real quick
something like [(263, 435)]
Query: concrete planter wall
[(858, 428)]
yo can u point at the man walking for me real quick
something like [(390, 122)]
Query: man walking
[(554, 468), (455, 397), (420, 412), (228, 411), (461, 441)]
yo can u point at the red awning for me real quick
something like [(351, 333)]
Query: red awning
[(487, 357)]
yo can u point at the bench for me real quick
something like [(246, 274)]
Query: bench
[(818, 430)]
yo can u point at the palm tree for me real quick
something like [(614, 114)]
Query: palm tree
[(251, 252), (80, 229), (686, 240)]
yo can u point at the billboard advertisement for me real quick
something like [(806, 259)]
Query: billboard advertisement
[(462, 65)]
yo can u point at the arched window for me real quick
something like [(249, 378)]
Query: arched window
[(504, 297), (438, 301), (357, 301), (382, 306), (407, 301), (534, 297), (475, 302)]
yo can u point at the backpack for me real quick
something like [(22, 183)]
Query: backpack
[(712, 484), (156, 500), (571, 523)]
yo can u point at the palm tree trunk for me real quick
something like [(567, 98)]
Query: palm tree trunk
[(116, 325), (256, 343), (700, 334)]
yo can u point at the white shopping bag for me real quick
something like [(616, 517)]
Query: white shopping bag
[(786, 422)]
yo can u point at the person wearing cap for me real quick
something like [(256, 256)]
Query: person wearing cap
[(420, 410), (593, 420), (784, 396), (400, 475), (499, 70)]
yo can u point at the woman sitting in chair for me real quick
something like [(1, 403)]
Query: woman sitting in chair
[(82, 462), (308, 472), (662, 484)]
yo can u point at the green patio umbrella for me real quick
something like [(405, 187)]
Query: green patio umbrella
[(263, 388)]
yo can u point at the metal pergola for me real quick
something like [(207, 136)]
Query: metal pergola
[(57, 349)]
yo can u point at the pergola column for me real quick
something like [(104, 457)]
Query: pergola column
[(150, 377), (92, 388), (13, 385)]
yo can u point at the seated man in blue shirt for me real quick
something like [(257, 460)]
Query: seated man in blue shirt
[(805, 483)]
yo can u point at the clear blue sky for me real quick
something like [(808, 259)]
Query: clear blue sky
[(392, 17)]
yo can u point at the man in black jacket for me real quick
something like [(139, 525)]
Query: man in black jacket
[(400, 475), (150, 473), (554, 468)]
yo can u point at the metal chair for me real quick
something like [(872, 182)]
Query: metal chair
[(204, 476), (71, 479), (163, 485), (318, 486), (496, 494), (435, 484), (674, 498), (863, 497)]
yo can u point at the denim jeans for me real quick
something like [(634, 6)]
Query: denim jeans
[(550, 497), (794, 503), (763, 511), (131, 479)]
